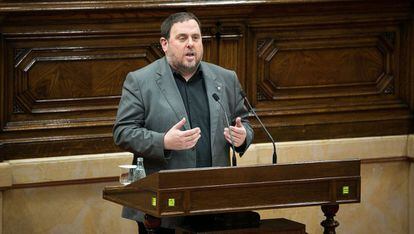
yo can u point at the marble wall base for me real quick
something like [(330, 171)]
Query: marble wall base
[(64, 194), (411, 199), (410, 153), (1, 213), (383, 207), (63, 209)]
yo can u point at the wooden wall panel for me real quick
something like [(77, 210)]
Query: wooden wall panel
[(331, 78), (62, 92), (312, 70)]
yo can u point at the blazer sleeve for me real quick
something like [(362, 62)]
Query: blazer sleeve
[(129, 130), (242, 112)]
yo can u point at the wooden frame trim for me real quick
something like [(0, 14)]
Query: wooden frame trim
[(62, 182), (114, 178), (41, 6), (387, 160)]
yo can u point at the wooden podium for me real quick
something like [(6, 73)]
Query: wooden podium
[(244, 188)]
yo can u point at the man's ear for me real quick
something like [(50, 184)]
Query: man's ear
[(164, 44)]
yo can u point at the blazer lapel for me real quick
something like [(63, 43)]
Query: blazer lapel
[(213, 85), (168, 87)]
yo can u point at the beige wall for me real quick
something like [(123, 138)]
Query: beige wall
[(410, 153), (385, 207), (411, 199), (385, 185), (62, 209), (77, 208), (5, 181), (1, 213)]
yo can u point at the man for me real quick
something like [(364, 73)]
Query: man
[(167, 113)]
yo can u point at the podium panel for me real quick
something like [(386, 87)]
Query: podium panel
[(243, 188)]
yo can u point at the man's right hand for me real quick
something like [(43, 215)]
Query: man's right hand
[(176, 139)]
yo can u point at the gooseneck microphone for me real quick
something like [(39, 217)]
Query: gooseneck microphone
[(243, 94), (233, 159)]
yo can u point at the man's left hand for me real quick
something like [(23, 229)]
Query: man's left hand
[(238, 132)]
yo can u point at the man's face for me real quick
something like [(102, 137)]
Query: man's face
[(184, 49)]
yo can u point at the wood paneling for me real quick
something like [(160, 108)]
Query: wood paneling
[(332, 83), (320, 69)]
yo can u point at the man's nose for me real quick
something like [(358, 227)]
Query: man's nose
[(190, 42)]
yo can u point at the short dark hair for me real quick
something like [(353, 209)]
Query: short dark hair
[(176, 18)]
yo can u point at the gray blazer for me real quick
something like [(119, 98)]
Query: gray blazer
[(151, 104)]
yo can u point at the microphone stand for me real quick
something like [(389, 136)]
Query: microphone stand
[(233, 158), (274, 158)]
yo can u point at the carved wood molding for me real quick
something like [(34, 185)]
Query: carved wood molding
[(317, 68), (59, 80), (312, 70), (314, 77), (40, 6)]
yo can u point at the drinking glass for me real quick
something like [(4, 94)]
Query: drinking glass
[(127, 174)]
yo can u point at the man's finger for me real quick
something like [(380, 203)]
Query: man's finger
[(235, 136), (238, 122), (236, 130), (190, 132), (191, 137), (235, 141), (192, 143), (195, 140), (180, 124)]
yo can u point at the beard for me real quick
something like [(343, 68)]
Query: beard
[(187, 68), (184, 68)]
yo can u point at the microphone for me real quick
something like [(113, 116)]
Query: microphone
[(233, 159), (243, 94)]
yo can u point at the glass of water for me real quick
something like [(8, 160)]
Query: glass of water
[(126, 174)]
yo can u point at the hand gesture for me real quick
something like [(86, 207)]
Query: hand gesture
[(176, 139), (238, 132)]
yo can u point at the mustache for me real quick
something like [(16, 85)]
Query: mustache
[(190, 53)]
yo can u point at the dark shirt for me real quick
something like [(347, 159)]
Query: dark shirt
[(194, 95)]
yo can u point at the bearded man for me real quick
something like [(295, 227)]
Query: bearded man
[(167, 113)]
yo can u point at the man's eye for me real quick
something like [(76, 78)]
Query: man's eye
[(181, 38)]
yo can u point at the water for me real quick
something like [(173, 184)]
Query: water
[(139, 171), (127, 174)]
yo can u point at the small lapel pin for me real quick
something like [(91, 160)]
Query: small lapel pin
[(218, 88)]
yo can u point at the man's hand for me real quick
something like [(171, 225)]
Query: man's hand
[(176, 139), (238, 132)]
